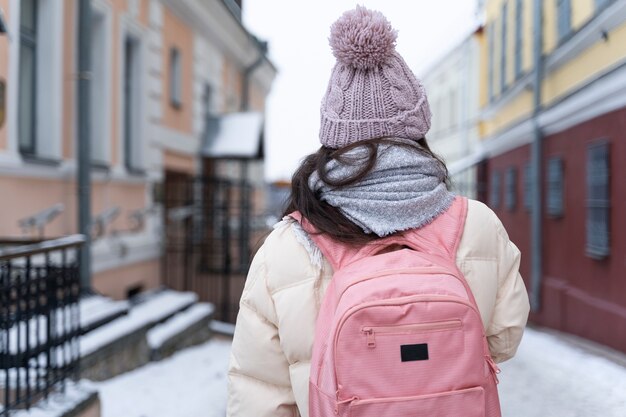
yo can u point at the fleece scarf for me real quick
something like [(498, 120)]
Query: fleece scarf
[(404, 190)]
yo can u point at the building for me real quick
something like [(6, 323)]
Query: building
[(454, 99), (574, 109), (160, 70)]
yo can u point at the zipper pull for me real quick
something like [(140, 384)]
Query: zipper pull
[(371, 341), (493, 368)]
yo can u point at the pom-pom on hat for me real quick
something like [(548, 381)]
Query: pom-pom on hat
[(372, 93)]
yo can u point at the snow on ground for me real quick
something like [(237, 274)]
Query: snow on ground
[(547, 378), (551, 378), (192, 383)]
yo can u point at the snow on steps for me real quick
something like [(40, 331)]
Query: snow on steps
[(121, 345), (97, 310), (80, 399), (185, 329)]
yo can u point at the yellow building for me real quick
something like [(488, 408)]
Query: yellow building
[(574, 111)]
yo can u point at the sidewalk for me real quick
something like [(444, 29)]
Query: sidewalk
[(558, 375), (553, 375)]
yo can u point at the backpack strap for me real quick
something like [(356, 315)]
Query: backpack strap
[(441, 238)]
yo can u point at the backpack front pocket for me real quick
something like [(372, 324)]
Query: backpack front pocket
[(467, 403), (371, 331)]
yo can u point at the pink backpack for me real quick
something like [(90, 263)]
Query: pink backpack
[(399, 333)]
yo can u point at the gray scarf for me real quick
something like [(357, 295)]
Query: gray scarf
[(405, 190)]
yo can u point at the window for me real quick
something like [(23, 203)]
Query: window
[(494, 200), (207, 99), (564, 13), (602, 3), (510, 199), (519, 43), (453, 110), (27, 77), (490, 53), (528, 187), (132, 116), (100, 87), (598, 200), (555, 187), (175, 78), (505, 15)]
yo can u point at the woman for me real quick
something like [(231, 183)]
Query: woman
[(373, 177)]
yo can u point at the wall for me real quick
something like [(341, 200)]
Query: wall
[(116, 282), (581, 295)]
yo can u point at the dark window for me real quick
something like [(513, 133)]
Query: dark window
[(496, 185), (598, 200), (519, 38), (503, 46), (27, 77), (491, 40), (555, 187), (528, 187), (564, 14), (132, 139), (175, 78), (510, 199)]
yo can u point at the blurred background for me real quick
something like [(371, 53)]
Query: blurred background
[(146, 148)]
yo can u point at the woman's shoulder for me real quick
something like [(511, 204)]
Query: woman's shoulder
[(483, 232), (290, 255)]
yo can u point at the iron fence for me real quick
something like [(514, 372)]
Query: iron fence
[(209, 238), (39, 319)]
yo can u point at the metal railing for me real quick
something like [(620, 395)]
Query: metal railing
[(39, 318)]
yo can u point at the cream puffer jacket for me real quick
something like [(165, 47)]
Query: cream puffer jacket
[(271, 351)]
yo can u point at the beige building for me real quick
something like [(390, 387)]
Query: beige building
[(453, 93), (160, 69)]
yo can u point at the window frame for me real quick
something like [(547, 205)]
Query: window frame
[(519, 38), (503, 46), (528, 186), (564, 19), (176, 81), (594, 249), (495, 189), (28, 39), (510, 186), (491, 36), (555, 187)]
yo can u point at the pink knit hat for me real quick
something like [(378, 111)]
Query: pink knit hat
[(372, 92)]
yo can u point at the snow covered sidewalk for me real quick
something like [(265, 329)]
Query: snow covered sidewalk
[(548, 378), (552, 378), (192, 383)]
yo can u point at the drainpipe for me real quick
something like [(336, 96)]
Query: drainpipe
[(84, 141), (536, 165), (247, 73)]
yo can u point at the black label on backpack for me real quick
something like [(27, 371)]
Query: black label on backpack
[(414, 352)]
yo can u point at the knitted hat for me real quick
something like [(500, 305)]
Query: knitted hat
[(372, 92)]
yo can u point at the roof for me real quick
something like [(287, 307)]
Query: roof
[(234, 135)]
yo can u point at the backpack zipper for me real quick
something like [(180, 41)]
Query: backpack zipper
[(398, 301), (370, 331)]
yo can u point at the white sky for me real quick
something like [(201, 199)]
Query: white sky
[(298, 31)]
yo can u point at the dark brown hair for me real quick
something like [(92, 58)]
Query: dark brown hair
[(326, 218)]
